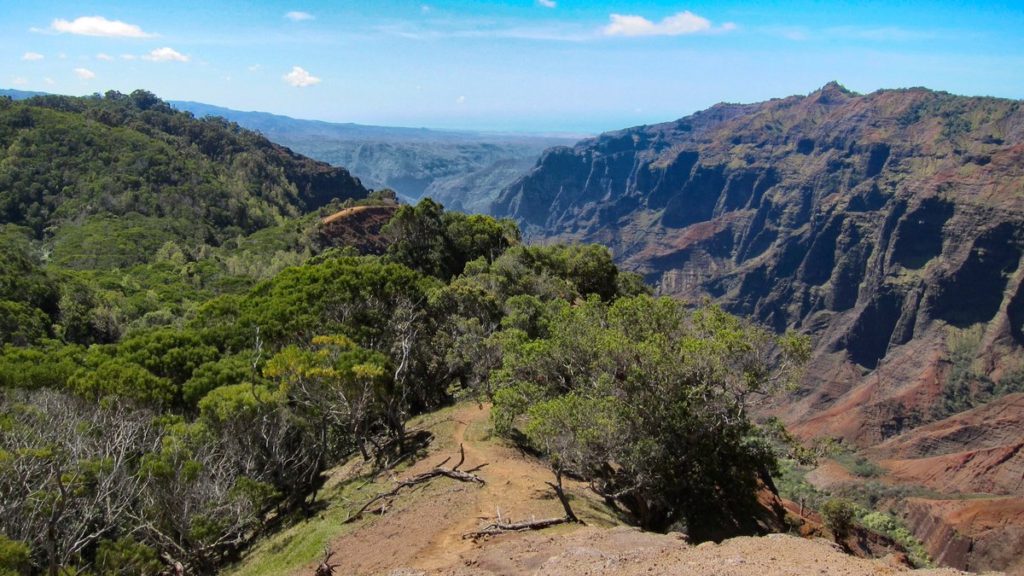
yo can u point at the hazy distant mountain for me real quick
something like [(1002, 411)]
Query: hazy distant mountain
[(297, 128), (19, 94), (462, 170)]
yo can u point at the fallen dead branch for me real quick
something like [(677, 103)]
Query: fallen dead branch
[(326, 567), (504, 527), (454, 473)]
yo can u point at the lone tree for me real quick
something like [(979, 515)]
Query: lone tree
[(648, 400)]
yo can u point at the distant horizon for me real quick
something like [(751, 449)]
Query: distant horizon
[(539, 133), (577, 66)]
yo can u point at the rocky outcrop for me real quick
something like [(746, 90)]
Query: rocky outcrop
[(977, 451), (889, 226), (319, 183), (978, 535), (873, 222)]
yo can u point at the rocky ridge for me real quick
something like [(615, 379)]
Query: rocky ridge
[(889, 226)]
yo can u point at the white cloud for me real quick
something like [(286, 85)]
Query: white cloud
[(676, 25), (296, 16), (255, 68), (104, 57), (85, 73), (166, 54), (460, 100), (547, 3), (128, 56), (425, 8), (19, 81), (49, 81), (98, 26), (32, 56), (299, 78)]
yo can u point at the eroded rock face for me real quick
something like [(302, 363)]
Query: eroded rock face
[(884, 225), (976, 535), (867, 221)]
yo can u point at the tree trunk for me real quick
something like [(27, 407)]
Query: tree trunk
[(560, 492)]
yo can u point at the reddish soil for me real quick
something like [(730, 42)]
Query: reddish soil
[(359, 227), (997, 470), (830, 475), (422, 532), (971, 534)]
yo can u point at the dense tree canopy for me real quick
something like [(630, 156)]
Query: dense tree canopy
[(648, 400), (182, 357), (68, 160)]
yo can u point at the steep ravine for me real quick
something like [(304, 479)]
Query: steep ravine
[(889, 226)]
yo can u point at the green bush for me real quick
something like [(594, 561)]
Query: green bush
[(839, 515), (656, 388), (893, 528), (15, 557), (126, 557)]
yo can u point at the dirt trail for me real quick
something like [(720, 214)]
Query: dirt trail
[(421, 533), (423, 530), (515, 488), (345, 213)]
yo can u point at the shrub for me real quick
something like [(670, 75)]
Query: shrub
[(839, 515)]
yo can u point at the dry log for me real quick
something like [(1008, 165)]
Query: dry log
[(502, 528), (454, 473), (326, 567)]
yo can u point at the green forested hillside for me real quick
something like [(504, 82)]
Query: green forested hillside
[(118, 212), (184, 352), (191, 431), (64, 161)]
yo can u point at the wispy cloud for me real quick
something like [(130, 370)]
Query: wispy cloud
[(166, 54), (19, 81), (129, 57), (98, 26), (296, 16), (85, 73), (557, 32), (49, 81), (547, 3), (104, 57), (679, 24), (880, 34), (460, 100), (32, 56), (794, 33), (255, 67), (300, 78)]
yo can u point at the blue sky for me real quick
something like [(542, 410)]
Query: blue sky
[(528, 65)]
